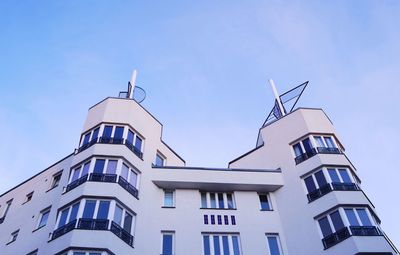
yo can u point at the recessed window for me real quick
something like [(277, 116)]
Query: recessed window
[(274, 246), (220, 200), (6, 209), (221, 244), (35, 252), (160, 160), (29, 197), (167, 246), (56, 180), (169, 200), (14, 236), (44, 216), (265, 202)]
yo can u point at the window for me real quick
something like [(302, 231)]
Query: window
[(8, 205), (167, 247), (56, 180), (358, 217), (107, 131), (102, 212), (221, 244), (29, 197), (14, 236), (264, 202), (274, 246), (95, 134), (112, 166), (86, 139), (313, 144), (123, 218), (138, 143), (159, 160), (68, 215), (217, 200), (169, 198), (86, 253), (99, 166), (330, 223), (44, 216), (119, 132), (35, 252), (80, 171)]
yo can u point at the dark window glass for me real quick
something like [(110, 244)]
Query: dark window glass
[(63, 217), (125, 172), (345, 176), (273, 245), (325, 227), (85, 169), (319, 141), (220, 200), (133, 178), (226, 220), (88, 211), (128, 222), (74, 212), (78, 253), (99, 166), (206, 219), (264, 202), (351, 216), (320, 178), (159, 160), (329, 142), (217, 250), (365, 221), (297, 149), (307, 144), (86, 139), (56, 180), (107, 131), (333, 174), (203, 200), (212, 200), (233, 220), (230, 201), (225, 245), (102, 213), (206, 244), (235, 242), (44, 218), (167, 244), (75, 175), (309, 181), (219, 218), (119, 131), (112, 166), (95, 134), (118, 215), (212, 219), (130, 136), (336, 220), (138, 143)]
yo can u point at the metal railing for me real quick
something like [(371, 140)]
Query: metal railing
[(315, 151), (345, 186), (365, 231), (334, 186), (100, 177), (93, 224), (336, 237), (63, 230), (128, 187), (121, 233), (76, 183), (133, 148)]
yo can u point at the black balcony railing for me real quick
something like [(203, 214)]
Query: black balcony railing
[(128, 187), (76, 183), (345, 186), (134, 149), (100, 177), (93, 224), (315, 151), (111, 140), (336, 237), (85, 146), (365, 231), (121, 233), (63, 230), (323, 190)]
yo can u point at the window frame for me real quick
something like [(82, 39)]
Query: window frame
[(164, 233), (216, 201), (278, 241), (42, 213), (268, 195), (173, 205)]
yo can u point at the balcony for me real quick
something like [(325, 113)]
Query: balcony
[(100, 177), (76, 183), (121, 233), (344, 233), (93, 224), (315, 151), (111, 140), (63, 230), (128, 187), (338, 186)]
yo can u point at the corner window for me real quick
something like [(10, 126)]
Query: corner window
[(160, 160), (169, 200), (44, 216), (220, 200), (264, 202), (312, 145), (274, 246), (167, 246)]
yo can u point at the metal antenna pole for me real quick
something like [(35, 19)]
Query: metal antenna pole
[(132, 84), (271, 82)]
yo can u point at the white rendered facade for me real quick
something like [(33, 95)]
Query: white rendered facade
[(112, 199)]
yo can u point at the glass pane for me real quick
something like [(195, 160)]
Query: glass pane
[(168, 198), (112, 166), (119, 131), (230, 201), (107, 131), (336, 220), (167, 244), (86, 139), (203, 200), (125, 171), (74, 212), (94, 253), (133, 178), (138, 143), (95, 134), (320, 178), (130, 136), (362, 214), (345, 176), (128, 222), (44, 218), (217, 249), (297, 149), (88, 211), (273, 245), (307, 144), (329, 142), (212, 200), (102, 213), (63, 217), (319, 141), (118, 215), (159, 160), (351, 216), (206, 245), (235, 242), (225, 245), (264, 202), (78, 253), (333, 174), (85, 169), (325, 227), (99, 166), (221, 200), (75, 175), (309, 181)]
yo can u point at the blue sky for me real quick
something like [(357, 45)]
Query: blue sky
[(203, 65)]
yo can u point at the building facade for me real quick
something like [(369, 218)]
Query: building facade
[(125, 191)]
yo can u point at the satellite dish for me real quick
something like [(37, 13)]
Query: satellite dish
[(134, 92), (139, 94)]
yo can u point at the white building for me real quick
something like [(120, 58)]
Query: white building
[(125, 191)]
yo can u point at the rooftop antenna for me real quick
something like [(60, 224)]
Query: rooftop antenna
[(134, 92), (277, 98)]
